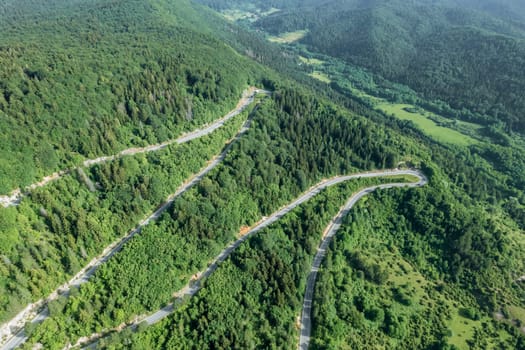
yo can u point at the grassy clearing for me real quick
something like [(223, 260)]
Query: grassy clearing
[(237, 15), (439, 133), (402, 274), (517, 313), (252, 16), (269, 12), (421, 291), (321, 77), (462, 329), (423, 120), (311, 61), (363, 95), (288, 38)]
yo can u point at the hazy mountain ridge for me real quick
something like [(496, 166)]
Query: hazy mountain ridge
[(394, 38)]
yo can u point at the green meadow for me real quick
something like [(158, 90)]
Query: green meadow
[(429, 127)]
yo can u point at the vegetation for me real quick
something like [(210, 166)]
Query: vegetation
[(286, 38), (429, 268), (471, 60), (321, 77), (62, 226), (437, 132), (95, 84), (253, 299), (390, 279), (281, 155), (262, 173)]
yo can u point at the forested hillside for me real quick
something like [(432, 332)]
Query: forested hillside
[(436, 267), (509, 10), (82, 81), (465, 255), (467, 57)]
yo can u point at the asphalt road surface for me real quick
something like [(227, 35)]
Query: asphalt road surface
[(335, 224), (85, 274), (194, 286)]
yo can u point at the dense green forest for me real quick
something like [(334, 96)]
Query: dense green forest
[(66, 97), (254, 298), (503, 9), (470, 59), (109, 76), (284, 152), (435, 267), (62, 226)]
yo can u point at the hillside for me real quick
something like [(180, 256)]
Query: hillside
[(466, 55), (83, 81), (209, 239)]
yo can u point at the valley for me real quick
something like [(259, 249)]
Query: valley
[(367, 189)]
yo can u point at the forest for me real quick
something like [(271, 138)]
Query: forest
[(470, 59), (256, 178), (435, 267), (70, 94)]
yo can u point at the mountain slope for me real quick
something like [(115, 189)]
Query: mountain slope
[(83, 81), (474, 55), (462, 233)]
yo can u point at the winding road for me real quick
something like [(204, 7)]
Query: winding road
[(13, 333), (194, 286), (247, 98), (30, 314), (331, 230)]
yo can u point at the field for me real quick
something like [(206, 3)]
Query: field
[(252, 16), (439, 128), (311, 61), (429, 127), (409, 112), (288, 38), (321, 77)]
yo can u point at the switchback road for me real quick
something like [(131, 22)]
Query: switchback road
[(333, 227), (194, 286), (247, 98), (37, 312)]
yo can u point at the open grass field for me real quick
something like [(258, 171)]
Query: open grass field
[(423, 120), (235, 15), (439, 133), (321, 77), (461, 329), (288, 38), (517, 313), (311, 61)]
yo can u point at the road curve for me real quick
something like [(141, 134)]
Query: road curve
[(331, 230), (247, 98), (31, 313), (194, 286)]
